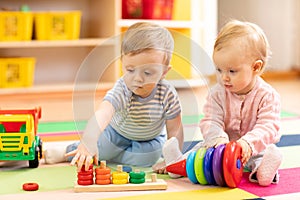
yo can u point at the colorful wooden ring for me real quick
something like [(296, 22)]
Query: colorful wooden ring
[(198, 165), (119, 181), (208, 169), (102, 171), (91, 167), (85, 182), (119, 175), (30, 186), (90, 171), (232, 166), (217, 165), (137, 175), (126, 169), (190, 170), (102, 181), (102, 176), (85, 177), (137, 180)]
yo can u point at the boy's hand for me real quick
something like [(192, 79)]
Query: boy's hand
[(246, 151), (160, 168), (81, 157)]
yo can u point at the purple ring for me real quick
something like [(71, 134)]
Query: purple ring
[(217, 165)]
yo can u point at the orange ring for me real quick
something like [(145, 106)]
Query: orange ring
[(102, 182), (102, 171), (30, 186), (102, 176)]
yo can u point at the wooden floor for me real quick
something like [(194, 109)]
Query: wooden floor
[(61, 107)]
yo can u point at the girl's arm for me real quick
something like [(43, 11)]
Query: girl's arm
[(212, 125), (266, 130), (87, 148)]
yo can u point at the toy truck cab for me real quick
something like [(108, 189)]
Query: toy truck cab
[(18, 139)]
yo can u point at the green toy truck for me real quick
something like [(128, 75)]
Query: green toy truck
[(18, 136)]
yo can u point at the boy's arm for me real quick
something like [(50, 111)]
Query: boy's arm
[(87, 148), (175, 129)]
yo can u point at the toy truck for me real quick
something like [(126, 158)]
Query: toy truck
[(18, 136)]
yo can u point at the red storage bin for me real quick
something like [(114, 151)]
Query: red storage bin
[(147, 9)]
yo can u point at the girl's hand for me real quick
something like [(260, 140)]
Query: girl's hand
[(246, 151), (220, 141), (81, 157)]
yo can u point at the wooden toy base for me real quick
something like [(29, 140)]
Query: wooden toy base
[(148, 185)]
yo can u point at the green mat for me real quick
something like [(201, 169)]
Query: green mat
[(48, 178)]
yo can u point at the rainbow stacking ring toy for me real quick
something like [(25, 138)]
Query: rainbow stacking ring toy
[(212, 166)]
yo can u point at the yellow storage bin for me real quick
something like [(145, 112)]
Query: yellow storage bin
[(16, 72), (16, 26), (61, 25)]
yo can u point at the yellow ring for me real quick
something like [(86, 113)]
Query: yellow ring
[(119, 181), (120, 175)]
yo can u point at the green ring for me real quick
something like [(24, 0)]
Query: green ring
[(199, 166), (137, 175), (137, 180)]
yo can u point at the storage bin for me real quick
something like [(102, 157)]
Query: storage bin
[(60, 25), (147, 9), (17, 72), (16, 26)]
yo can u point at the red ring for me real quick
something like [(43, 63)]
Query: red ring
[(83, 168), (90, 171), (232, 167), (30, 186), (85, 177), (85, 182)]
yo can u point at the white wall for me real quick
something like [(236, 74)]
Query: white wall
[(278, 18)]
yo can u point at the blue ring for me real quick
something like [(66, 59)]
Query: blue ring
[(208, 170), (190, 170)]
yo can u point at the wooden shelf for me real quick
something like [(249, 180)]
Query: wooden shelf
[(177, 24), (85, 42), (55, 88)]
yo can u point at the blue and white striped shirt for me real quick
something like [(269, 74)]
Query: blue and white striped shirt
[(142, 119)]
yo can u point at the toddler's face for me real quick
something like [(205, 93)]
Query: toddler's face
[(235, 69), (143, 71)]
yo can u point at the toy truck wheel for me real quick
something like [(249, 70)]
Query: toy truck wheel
[(35, 162)]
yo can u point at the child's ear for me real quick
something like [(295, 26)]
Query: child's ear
[(257, 66), (166, 70)]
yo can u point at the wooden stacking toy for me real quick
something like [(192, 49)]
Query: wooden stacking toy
[(106, 181)]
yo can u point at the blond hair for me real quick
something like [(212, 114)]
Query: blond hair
[(143, 36), (252, 36)]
